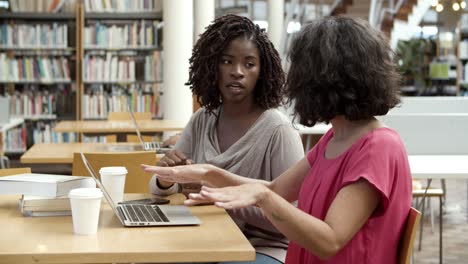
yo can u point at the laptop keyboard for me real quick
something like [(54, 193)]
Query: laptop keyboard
[(155, 146), (145, 213), (152, 145)]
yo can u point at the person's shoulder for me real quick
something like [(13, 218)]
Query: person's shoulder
[(201, 115), (279, 123), (385, 135), (276, 118), (385, 140)]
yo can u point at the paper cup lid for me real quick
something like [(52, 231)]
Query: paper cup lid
[(85, 193), (113, 170)]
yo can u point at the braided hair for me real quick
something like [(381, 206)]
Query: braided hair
[(204, 63)]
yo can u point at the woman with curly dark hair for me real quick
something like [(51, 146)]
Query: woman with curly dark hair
[(236, 74), (354, 186)]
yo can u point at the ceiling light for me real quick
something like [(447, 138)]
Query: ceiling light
[(434, 2), (439, 7), (463, 4), (455, 6)]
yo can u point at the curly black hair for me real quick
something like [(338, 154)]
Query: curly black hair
[(341, 66), (204, 63)]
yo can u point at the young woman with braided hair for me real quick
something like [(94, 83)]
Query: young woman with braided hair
[(236, 74)]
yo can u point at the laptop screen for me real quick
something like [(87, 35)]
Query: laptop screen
[(132, 116), (99, 184)]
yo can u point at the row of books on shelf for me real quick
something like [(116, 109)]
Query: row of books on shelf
[(19, 138), (38, 102), (122, 5), (46, 6), (114, 68), (142, 34), (34, 69), (30, 103), (99, 105), (43, 132), (45, 35), (15, 139)]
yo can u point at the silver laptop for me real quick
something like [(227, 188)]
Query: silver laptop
[(134, 215), (154, 146)]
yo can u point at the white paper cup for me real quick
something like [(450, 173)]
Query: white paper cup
[(113, 179), (85, 206)]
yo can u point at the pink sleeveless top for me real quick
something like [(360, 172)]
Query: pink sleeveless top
[(378, 157)]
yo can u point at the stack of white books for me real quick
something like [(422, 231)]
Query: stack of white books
[(44, 206), (43, 194)]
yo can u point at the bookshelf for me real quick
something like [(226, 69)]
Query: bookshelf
[(462, 63), (79, 60), (38, 61), (121, 57), (12, 137)]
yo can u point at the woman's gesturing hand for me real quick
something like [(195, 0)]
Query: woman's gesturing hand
[(230, 197), (180, 174), (174, 158)]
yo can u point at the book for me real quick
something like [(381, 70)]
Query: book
[(43, 203), (44, 206), (45, 213), (50, 185)]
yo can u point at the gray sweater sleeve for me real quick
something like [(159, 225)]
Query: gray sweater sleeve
[(183, 144)]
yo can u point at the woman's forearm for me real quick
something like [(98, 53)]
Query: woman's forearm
[(309, 232), (216, 177)]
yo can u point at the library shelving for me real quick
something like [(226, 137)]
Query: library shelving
[(76, 60), (462, 79), (38, 61), (12, 137), (121, 57)]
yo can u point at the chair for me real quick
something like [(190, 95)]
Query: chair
[(7, 172), (123, 116), (137, 181), (405, 249), (430, 193)]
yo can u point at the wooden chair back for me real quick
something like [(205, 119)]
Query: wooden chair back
[(123, 116), (405, 249), (7, 172), (137, 181)]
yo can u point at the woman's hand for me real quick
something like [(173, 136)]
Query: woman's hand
[(230, 197), (171, 141), (174, 158), (180, 174)]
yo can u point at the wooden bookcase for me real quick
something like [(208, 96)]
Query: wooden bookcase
[(38, 61), (77, 53), (135, 48), (462, 59)]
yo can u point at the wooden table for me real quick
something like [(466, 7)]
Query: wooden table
[(62, 153), (105, 127), (51, 239), (119, 128)]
